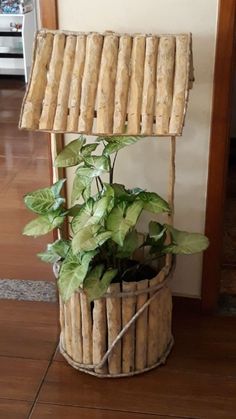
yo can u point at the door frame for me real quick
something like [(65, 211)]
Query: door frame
[(219, 152)]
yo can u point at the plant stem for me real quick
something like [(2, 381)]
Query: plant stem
[(97, 185), (100, 181), (113, 168)]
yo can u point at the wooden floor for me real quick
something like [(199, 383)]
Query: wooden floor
[(198, 380), (24, 166)]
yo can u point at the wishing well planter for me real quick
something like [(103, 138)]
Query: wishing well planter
[(115, 301)]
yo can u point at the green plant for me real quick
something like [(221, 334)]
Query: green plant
[(104, 238)]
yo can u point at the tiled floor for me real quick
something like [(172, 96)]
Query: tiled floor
[(24, 166), (198, 381)]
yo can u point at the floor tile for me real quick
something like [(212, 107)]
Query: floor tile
[(163, 391), (12, 409), (20, 378), (28, 329), (44, 411)]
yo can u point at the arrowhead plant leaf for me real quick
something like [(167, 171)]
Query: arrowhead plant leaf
[(70, 155)]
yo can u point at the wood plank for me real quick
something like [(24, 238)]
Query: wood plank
[(32, 333), (90, 79), (164, 83), (136, 84), (20, 378), (64, 412), (164, 391), (33, 102), (60, 121), (122, 84), (106, 85), (149, 85), (53, 80), (76, 84), (14, 409), (181, 81)]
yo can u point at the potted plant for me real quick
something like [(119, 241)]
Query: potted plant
[(115, 304)]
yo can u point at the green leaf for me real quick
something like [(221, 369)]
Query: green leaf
[(88, 238), (80, 184), (121, 220), (185, 243), (57, 187), (44, 200), (88, 172), (153, 202), (55, 251), (87, 149), (72, 273), (117, 143), (94, 285), (109, 193), (100, 163), (156, 230), (70, 155), (129, 246), (43, 224), (80, 221)]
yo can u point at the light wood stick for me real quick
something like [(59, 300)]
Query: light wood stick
[(54, 74), (128, 310), (68, 328), (141, 328), (180, 84), (149, 85), (113, 306), (76, 84), (77, 347), (33, 104), (136, 84), (90, 80), (62, 320), (60, 121), (122, 84), (86, 329), (99, 333), (153, 313), (164, 320), (106, 85), (164, 84)]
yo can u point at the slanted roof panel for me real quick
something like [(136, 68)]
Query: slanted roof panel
[(108, 84)]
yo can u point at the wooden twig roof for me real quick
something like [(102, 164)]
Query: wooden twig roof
[(108, 83)]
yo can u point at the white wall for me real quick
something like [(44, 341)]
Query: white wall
[(145, 164)]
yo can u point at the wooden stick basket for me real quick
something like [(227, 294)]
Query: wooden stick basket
[(126, 332), (113, 84)]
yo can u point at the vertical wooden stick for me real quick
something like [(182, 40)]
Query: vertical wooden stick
[(136, 84), (90, 80), (76, 330), (99, 333), (180, 84), (76, 83), (68, 328), (54, 74), (106, 85), (128, 310), (122, 84), (32, 106), (114, 327), (164, 85), (153, 313), (141, 328), (60, 121), (149, 85), (171, 191), (86, 329), (62, 320)]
